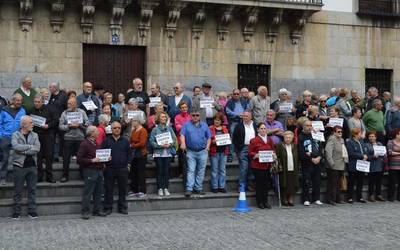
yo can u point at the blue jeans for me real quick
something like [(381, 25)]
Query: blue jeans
[(245, 174), (162, 164), (5, 147), (196, 167), (218, 170)]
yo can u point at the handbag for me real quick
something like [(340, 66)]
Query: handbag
[(343, 183)]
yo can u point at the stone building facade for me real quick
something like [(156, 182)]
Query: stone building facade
[(298, 45)]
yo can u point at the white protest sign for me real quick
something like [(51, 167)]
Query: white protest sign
[(154, 101), (363, 166), (134, 114), (379, 150), (336, 122), (265, 156), (285, 107), (319, 136), (318, 125), (103, 154), (38, 121), (108, 129), (74, 117), (223, 139), (206, 103), (164, 138), (89, 105)]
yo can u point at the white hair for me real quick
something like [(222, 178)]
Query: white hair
[(90, 130), (103, 118)]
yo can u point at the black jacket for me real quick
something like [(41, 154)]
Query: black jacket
[(51, 119), (307, 144), (239, 135), (58, 102)]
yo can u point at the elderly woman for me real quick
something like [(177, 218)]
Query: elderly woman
[(334, 113), (375, 170), (323, 109), (261, 169), (336, 157), (356, 150), (104, 120), (288, 158), (284, 99), (342, 103), (356, 122), (393, 150), (163, 151), (302, 108), (133, 111)]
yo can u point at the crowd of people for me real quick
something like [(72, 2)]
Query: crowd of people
[(346, 137)]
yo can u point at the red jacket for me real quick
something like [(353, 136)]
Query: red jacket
[(256, 145), (213, 146)]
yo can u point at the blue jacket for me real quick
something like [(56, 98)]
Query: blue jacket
[(376, 163), (9, 123), (230, 105), (157, 149), (173, 108), (356, 151), (392, 119)]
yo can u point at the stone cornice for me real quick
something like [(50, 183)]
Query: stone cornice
[(87, 18), (224, 20), (146, 13), (199, 18), (117, 13), (250, 22), (57, 15), (174, 13), (25, 14)]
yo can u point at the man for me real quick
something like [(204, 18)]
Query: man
[(46, 137), (99, 93), (207, 105), (259, 104), (156, 97), (140, 95), (374, 120), (387, 101), (196, 91), (372, 95), (27, 93), (10, 118), (393, 116), (25, 145), (333, 96), (310, 153), (274, 128), (116, 169), (173, 102), (93, 173), (195, 140), (355, 100), (73, 122), (57, 102), (3, 102), (245, 95), (87, 98), (243, 133)]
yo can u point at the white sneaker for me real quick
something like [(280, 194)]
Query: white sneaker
[(160, 192), (318, 202), (166, 192), (132, 194), (306, 203), (141, 195)]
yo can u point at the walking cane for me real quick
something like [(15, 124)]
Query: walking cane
[(279, 189)]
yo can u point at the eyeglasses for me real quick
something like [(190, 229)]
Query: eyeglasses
[(195, 115), (339, 132), (322, 101), (117, 128), (236, 93), (176, 88)]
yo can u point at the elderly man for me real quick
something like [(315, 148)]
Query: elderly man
[(73, 122), (140, 95), (45, 121), (173, 102), (25, 145), (310, 154), (393, 116), (374, 120), (372, 95), (10, 117), (245, 95), (27, 93), (243, 133), (89, 103), (387, 101), (260, 104), (93, 173), (196, 140), (206, 103), (117, 169), (156, 97), (355, 100), (274, 128)]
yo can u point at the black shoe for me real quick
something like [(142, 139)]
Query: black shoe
[(85, 216), (56, 159), (51, 180), (16, 216), (391, 199), (123, 211), (107, 212), (64, 179), (290, 204), (39, 180), (188, 194), (361, 200), (261, 206), (267, 205), (222, 190), (331, 203), (229, 159), (99, 214), (198, 192), (33, 215), (214, 190)]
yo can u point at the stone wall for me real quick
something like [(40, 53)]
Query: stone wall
[(334, 50)]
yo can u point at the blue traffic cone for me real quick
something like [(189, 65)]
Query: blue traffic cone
[(241, 206)]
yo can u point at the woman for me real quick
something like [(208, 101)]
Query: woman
[(218, 155), (138, 141), (284, 99), (342, 103), (334, 113), (288, 158), (356, 122), (132, 112), (104, 120), (162, 152), (261, 170), (151, 121), (222, 99), (313, 113), (336, 157), (302, 108), (180, 119), (393, 148), (323, 109), (120, 106), (356, 151), (375, 169)]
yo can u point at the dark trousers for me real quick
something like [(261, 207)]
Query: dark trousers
[(311, 174), (394, 178), (20, 176), (263, 183), (93, 187), (46, 154), (137, 175), (70, 148), (333, 190), (58, 143), (355, 178), (163, 164), (374, 183), (5, 147), (182, 165), (110, 176)]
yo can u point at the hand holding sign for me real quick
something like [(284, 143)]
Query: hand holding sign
[(363, 166), (265, 156), (223, 139), (89, 105), (379, 150), (38, 121), (164, 139), (103, 155)]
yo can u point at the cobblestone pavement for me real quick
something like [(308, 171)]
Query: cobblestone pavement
[(358, 226)]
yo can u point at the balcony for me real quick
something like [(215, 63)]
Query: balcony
[(380, 8)]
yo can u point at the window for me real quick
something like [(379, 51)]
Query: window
[(379, 78), (253, 75)]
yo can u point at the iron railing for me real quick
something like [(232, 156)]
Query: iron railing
[(379, 7)]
